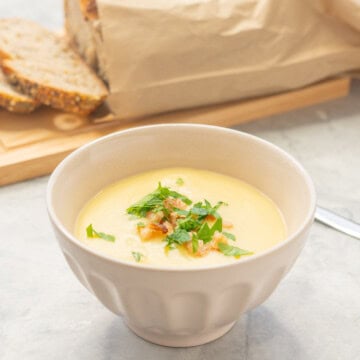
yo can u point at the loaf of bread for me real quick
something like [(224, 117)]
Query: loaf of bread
[(14, 101), (44, 67), (80, 32), (161, 56), (83, 30)]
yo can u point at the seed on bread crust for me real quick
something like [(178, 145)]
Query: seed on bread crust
[(14, 101), (17, 105)]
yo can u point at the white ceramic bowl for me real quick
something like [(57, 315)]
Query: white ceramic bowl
[(180, 307)]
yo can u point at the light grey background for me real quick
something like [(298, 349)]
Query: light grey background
[(314, 314)]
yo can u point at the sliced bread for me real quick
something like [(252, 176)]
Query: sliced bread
[(85, 36), (43, 66), (12, 100), (80, 32)]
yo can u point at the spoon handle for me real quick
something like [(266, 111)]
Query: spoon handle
[(337, 222)]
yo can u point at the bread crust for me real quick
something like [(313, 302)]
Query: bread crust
[(89, 9), (18, 105), (51, 96), (14, 101)]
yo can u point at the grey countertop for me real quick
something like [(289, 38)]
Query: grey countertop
[(314, 314)]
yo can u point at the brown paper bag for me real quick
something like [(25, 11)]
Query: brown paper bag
[(163, 55)]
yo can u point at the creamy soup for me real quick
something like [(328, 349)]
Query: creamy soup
[(180, 217)]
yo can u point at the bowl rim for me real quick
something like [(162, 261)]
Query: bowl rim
[(137, 266)]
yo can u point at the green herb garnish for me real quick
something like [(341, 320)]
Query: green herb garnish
[(92, 233), (206, 209), (176, 195), (155, 201), (181, 212), (230, 250), (189, 223), (206, 233), (180, 181), (137, 256), (179, 237), (229, 236), (199, 209), (195, 225), (217, 226), (195, 243)]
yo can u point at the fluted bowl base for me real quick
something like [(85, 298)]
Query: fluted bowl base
[(180, 340)]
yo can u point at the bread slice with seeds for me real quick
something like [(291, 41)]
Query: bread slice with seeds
[(13, 101), (43, 66)]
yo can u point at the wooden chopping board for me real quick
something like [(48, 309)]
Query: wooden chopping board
[(32, 145)]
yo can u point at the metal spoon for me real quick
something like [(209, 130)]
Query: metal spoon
[(337, 222)]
